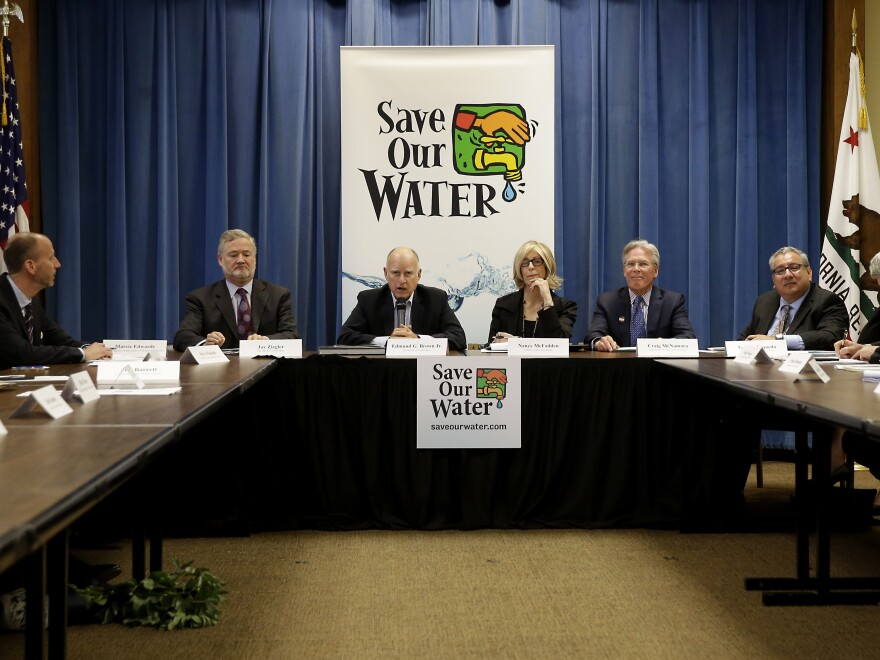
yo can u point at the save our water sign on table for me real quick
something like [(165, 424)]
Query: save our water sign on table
[(468, 403)]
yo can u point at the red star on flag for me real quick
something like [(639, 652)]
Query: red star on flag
[(852, 140)]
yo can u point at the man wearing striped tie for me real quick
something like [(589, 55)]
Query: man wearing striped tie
[(808, 317), (27, 335)]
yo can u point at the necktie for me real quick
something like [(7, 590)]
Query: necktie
[(29, 322), (783, 321), (245, 326), (637, 322)]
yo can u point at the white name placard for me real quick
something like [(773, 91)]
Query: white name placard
[(138, 374), (136, 349), (667, 348), (752, 354), (398, 347), (49, 399), (468, 402), (775, 348), (802, 363), (280, 348), (203, 355), (529, 347), (80, 385)]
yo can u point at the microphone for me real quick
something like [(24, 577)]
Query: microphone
[(401, 312)]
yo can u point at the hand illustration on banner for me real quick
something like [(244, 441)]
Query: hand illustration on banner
[(492, 384), (490, 139)]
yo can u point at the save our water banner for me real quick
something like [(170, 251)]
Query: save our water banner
[(448, 150), (467, 403)]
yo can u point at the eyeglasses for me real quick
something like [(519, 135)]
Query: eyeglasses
[(794, 268), (633, 264), (537, 261)]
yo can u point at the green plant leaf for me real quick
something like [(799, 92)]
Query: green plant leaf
[(186, 597)]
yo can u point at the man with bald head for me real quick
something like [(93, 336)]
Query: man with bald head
[(27, 334), (427, 313)]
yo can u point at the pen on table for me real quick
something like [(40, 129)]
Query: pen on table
[(25, 368)]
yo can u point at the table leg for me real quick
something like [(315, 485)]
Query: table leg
[(57, 569), (35, 589), (821, 589)]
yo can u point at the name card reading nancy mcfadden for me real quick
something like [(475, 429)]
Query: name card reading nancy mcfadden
[(462, 404)]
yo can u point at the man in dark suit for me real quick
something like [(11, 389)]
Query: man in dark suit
[(375, 317), (861, 449), (808, 318), (869, 338), (239, 306), (664, 312), (27, 335), (797, 310)]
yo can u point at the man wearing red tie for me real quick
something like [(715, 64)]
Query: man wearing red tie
[(238, 306)]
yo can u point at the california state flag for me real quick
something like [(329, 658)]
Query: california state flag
[(852, 235)]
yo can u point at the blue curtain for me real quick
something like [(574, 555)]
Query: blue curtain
[(691, 123)]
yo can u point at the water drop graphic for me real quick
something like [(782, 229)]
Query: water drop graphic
[(509, 193)]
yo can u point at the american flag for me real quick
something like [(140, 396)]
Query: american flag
[(13, 189)]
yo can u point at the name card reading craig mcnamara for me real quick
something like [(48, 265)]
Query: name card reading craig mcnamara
[(405, 347), (464, 404), (667, 348)]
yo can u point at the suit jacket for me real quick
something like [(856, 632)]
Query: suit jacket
[(556, 322), (667, 316), (210, 309), (373, 316), (820, 320), (870, 334), (51, 344)]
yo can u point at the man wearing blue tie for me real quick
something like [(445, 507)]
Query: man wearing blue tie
[(639, 309), (808, 318)]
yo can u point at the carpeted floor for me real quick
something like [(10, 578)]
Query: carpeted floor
[(504, 594)]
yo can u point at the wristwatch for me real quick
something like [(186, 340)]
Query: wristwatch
[(547, 305)]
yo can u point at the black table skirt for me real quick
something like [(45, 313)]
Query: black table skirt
[(336, 449)]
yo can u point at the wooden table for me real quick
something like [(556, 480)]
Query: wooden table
[(52, 471), (806, 405)]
